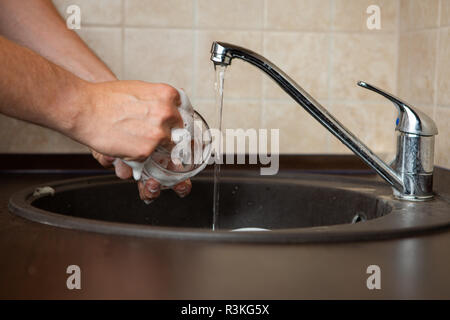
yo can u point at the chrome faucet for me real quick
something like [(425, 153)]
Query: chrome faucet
[(411, 172)]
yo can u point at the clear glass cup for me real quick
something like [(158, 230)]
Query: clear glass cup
[(162, 167)]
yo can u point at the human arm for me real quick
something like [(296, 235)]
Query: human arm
[(124, 119), (37, 25)]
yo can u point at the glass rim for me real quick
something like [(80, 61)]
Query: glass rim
[(165, 170)]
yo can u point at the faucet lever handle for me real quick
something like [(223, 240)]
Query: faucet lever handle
[(410, 120)]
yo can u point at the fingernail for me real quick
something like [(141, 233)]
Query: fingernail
[(181, 188), (182, 195), (182, 191)]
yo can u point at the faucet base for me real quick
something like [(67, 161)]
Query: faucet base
[(417, 187), (408, 197)]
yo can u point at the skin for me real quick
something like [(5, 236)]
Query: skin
[(51, 78)]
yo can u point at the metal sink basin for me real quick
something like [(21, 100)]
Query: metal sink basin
[(296, 208)]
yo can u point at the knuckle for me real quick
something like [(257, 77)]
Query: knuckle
[(160, 134), (169, 93), (144, 152), (156, 134), (168, 114), (165, 116)]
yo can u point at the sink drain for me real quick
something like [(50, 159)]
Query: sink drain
[(359, 217)]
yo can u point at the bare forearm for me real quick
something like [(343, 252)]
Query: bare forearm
[(37, 25), (35, 90)]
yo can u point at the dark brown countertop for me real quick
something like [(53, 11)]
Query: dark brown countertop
[(34, 258)]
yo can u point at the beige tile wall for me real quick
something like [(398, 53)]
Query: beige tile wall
[(323, 44), (424, 65)]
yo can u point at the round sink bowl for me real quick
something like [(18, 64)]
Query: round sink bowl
[(299, 208)]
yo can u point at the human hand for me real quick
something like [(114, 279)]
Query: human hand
[(153, 110), (148, 190), (128, 119)]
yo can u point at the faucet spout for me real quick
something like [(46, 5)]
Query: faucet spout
[(405, 186)]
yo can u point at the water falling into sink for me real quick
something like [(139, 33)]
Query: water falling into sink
[(218, 86)]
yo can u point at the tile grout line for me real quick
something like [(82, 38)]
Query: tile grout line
[(436, 63), (330, 68), (231, 29), (397, 66), (423, 29), (397, 50), (288, 100), (263, 106), (195, 49), (122, 36), (283, 31), (436, 88)]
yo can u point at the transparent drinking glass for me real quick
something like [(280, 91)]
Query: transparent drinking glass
[(161, 165)]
